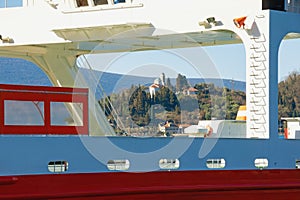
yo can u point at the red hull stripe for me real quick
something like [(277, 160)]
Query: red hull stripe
[(231, 184)]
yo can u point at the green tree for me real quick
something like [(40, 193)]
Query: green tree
[(181, 83), (169, 101), (139, 106), (204, 101), (289, 96)]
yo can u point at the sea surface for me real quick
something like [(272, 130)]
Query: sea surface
[(19, 71)]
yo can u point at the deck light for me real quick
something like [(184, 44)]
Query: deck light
[(6, 40), (240, 22), (209, 22)]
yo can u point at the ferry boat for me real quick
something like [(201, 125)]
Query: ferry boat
[(85, 158)]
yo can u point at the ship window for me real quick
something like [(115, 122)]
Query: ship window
[(100, 2), (169, 163), (118, 165), (297, 164), (215, 163), (58, 166), (81, 3), (66, 114), (23, 112), (261, 163), (119, 1)]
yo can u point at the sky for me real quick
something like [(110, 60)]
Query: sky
[(234, 66), (226, 61), (10, 3), (289, 59)]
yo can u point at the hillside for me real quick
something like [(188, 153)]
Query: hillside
[(126, 81), (289, 96)]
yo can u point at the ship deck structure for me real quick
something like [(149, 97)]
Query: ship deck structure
[(86, 158)]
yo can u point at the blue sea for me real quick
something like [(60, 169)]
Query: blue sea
[(19, 71)]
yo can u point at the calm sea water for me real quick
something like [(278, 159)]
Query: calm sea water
[(19, 71)]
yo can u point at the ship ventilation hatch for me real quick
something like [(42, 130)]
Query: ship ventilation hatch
[(297, 164), (119, 165), (261, 163), (58, 166), (169, 163), (215, 163)]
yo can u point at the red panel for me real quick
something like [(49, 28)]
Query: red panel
[(46, 95), (219, 184)]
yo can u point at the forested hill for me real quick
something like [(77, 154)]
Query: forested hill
[(126, 81), (289, 96)]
